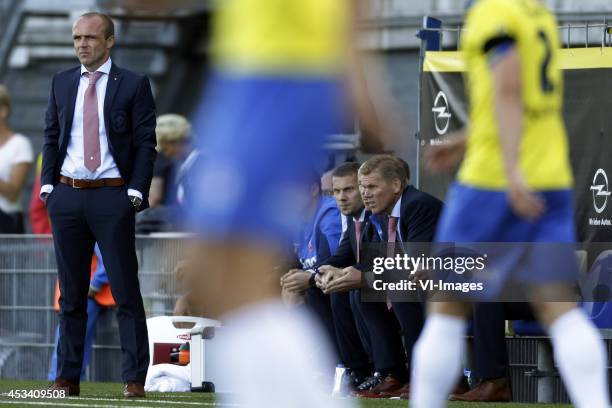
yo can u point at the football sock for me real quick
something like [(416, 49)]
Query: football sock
[(437, 361), (580, 356)]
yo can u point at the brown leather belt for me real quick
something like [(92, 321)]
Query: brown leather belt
[(105, 182)]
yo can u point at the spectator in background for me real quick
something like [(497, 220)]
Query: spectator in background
[(39, 218), (173, 136), (16, 158)]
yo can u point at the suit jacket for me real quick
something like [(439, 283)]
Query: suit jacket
[(346, 254), (129, 117), (419, 216)]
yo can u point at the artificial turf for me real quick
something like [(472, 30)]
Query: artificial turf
[(109, 395)]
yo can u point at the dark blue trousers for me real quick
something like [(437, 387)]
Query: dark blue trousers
[(79, 218), (489, 329), (319, 304), (387, 349), (360, 324), (352, 351), (411, 317)]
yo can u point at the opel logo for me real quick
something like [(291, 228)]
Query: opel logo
[(441, 113), (600, 191)]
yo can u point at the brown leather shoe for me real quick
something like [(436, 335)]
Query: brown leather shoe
[(60, 384), (462, 386), (389, 387), (403, 393), (493, 390), (133, 390)]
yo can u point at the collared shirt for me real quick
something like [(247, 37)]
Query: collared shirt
[(74, 164), (345, 222), (361, 216), (395, 212)]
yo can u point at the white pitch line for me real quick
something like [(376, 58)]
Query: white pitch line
[(57, 404), (168, 401)]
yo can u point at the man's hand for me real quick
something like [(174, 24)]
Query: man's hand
[(349, 280), (327, 274), (524, 202), (445, 157), (419, 275), (286, 275), (296, 280)]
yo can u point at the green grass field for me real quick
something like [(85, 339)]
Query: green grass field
[(109, 395)]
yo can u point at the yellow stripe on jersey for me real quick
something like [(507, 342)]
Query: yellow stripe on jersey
[(286, 36), (544, 156)]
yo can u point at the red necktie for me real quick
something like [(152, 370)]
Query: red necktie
[(391, 236), (392, 229), (358, 226), (91, 124)]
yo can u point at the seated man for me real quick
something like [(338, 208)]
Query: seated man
[(400, 213), (317, 240)]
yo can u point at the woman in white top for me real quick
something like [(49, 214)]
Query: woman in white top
[(16, 158)]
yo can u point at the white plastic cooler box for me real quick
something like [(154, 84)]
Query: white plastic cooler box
[(165, 336)]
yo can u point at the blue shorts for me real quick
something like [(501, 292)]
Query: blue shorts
[(260, 137), (519, 251)]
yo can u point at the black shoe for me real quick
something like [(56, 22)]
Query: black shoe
[(370, 382), (355, 379)]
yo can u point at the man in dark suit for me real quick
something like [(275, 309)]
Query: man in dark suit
[(380, 338), (400, 214), (98, 159)]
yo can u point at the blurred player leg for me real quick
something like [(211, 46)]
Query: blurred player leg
[(579, 353), (437, 355)]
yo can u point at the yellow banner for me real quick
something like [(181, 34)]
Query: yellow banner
[(572, 58)]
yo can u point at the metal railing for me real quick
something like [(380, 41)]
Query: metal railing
[(571, 34), (28, 321)]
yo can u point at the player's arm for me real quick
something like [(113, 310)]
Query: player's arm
[(505, 65), (446, 156)]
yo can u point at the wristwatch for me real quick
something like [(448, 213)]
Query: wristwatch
[(135, 201)]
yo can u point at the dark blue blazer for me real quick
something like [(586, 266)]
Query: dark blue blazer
[(129, 117), (418, 216), (346, 254)]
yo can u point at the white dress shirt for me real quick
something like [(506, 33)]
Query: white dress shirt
[(74, 164), (397, 212)]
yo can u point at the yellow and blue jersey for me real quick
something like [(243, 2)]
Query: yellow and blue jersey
[(543, 157), (281, 36), (276, 93)]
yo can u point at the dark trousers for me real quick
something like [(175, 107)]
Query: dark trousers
[(79, 218), (411, 317), (490, 353), (319, 304), (387, 349), (352, 351), (360, 324)]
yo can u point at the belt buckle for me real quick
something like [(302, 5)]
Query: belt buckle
[(74, 185)]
